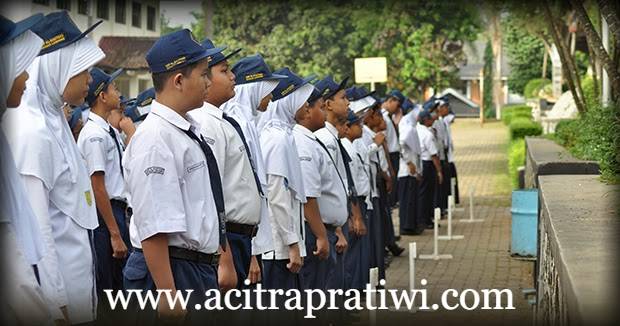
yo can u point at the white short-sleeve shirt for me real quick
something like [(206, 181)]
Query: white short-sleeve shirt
[(390, 132), (241, 196), (329, 136), (168, 180), (321, 179), (358, 168), (427, 142), (100, 153)]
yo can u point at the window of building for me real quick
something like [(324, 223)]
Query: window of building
[(83, 7), (42, 2), (136, 14), (120, 11), (150, 18), (103, 9), (63, 4)]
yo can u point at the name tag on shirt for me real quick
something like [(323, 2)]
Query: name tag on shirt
[(195, 167)]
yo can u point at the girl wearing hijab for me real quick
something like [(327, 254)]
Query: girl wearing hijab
[(254, 84), (53, 170), (284, 182), (23, 302)]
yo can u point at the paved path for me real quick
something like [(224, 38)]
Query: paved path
[(482, 259)]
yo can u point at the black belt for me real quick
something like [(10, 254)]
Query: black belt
[(330, 227), (120, 203), (244, 229), (191, 255)]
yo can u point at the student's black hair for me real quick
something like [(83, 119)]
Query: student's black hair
[(160, 79)]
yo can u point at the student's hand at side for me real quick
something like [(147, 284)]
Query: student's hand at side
[(322, 248), (119, 249), (440, 177), (176, 315), (226, 275), (388, 185), (254, 272), (341, 244), (294, 256), (419, 177), (412, 168)]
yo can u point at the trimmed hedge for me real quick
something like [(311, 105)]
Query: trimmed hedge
[(595, 135), (513, 111), (521, 127), (516, 158), (534, 86)]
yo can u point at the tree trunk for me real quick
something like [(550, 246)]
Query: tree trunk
[(208, 9), (595, 42), (545, 58), (611, 16), (592, 58), (567, 64), (497, 62)]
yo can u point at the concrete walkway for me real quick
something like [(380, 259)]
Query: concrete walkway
[(482, 259)]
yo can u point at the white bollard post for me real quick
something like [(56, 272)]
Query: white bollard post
[(471, 210), (436, 255), (374, 280), (412, 257), (450, 236)]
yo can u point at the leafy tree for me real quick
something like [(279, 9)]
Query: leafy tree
[(487, 91), (165, 26)]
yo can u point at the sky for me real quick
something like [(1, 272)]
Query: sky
[(179, 11)]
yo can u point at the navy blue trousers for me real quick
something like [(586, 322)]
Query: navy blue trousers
[(109, 270), (187, 275), (337, 276), (241, 247), (357, 258), (375, 230), (426, 192), (453, 174), (408, 198), (442, 191), (277, 276), (315, 273)]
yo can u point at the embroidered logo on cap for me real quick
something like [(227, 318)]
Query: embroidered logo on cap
[(146, 102), (99, 88), (254, 76), (175, 63), (53, 41), (287, 90)]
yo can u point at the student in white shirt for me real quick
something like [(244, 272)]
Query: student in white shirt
[(449, 120), (22, 247), (409, 172), (431, 168), (53, 170), (242, 189), (389, 108), (356, 260), (374, 139), (286, 192), (178, 226), (441, 141), (102, 150), (253, 87), (326, 195)]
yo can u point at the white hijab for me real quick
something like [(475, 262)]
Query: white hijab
[(247, 98), (277, 142), (42, 108), (15, 57)]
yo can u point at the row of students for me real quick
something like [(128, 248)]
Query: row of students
[(236, 173)]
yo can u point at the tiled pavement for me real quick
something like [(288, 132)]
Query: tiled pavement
[(482, 259)]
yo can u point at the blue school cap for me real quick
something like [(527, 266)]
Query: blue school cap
[(100, 81), (431, 104), (397, 94), (219, 56), (76, 115), (290, 84), (58, 30), (9, 30), (253, 69), (407, 106), (177, 50), (331, 87), (352, 118)]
